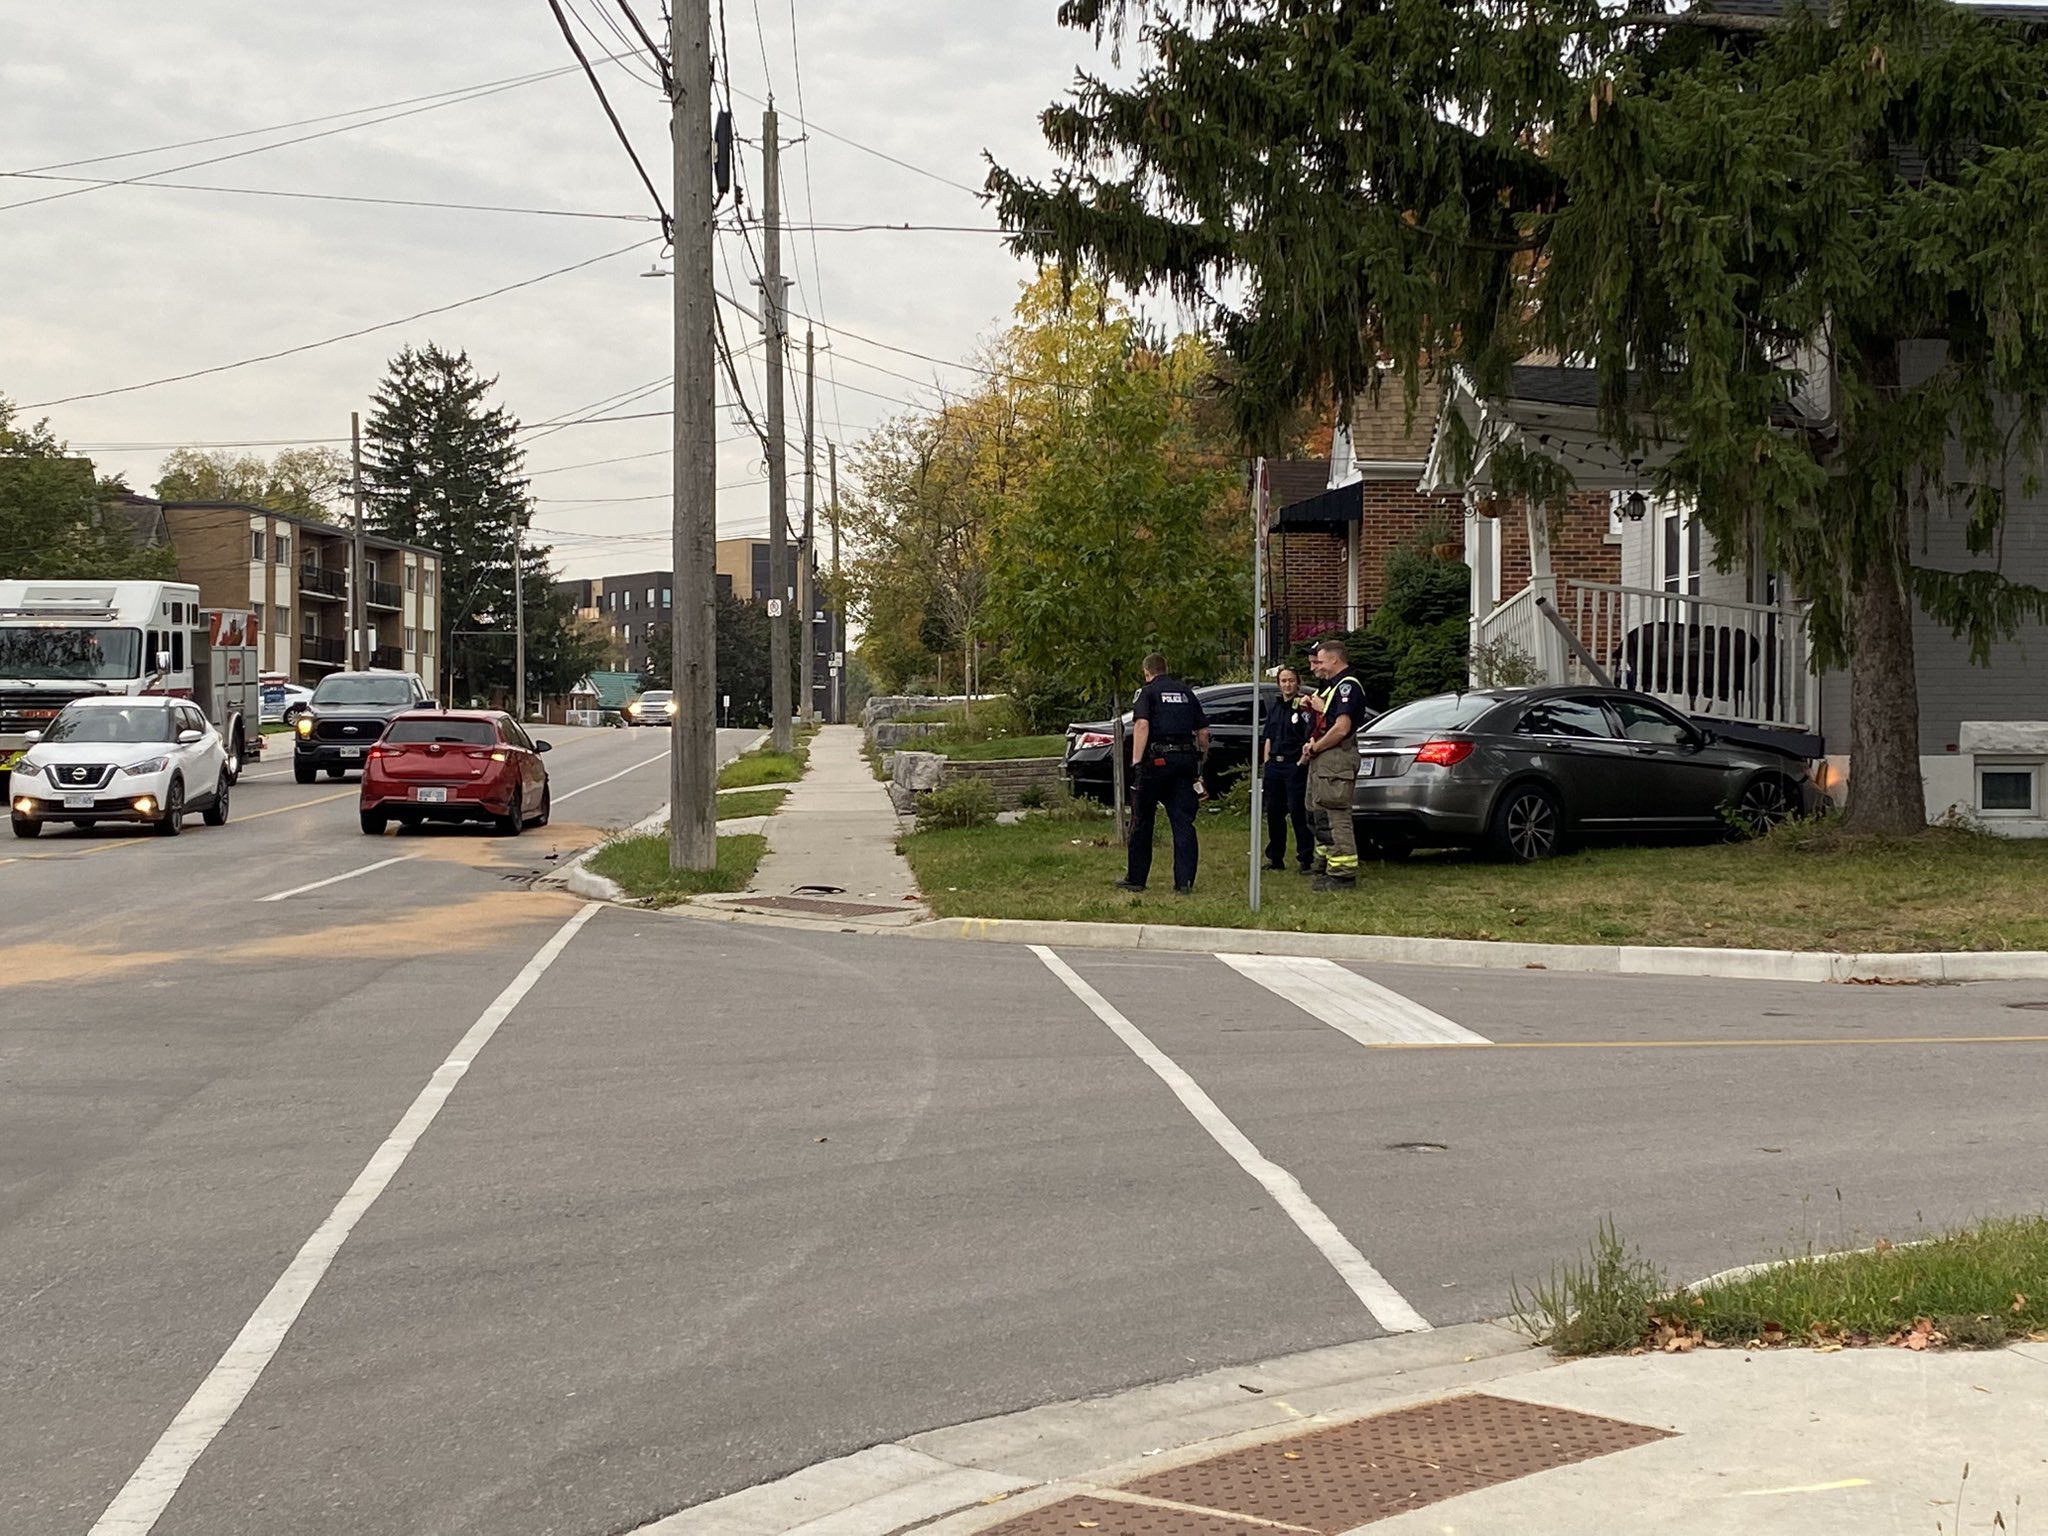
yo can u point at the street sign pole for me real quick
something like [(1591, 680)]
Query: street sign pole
[(1260, 496)]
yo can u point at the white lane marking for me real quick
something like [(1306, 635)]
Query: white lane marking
[(367, 869), (1366, 1011), (1387, 1306), (144, 1497), (600, 784)]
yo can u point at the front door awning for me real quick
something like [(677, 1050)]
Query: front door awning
[(1332, 511)]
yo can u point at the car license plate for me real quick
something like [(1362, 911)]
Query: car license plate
[(351, 751), (78, 802), (1368, 766), (431, 796)]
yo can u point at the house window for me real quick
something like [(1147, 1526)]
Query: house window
[(281, 549), (309, 625), (667, 597), (650, 597), (1679, 549), (2008, 789), (284, 619), (411, 575), (427, 580), (629, 634), (256, 545), (411, 635), (256, 609)]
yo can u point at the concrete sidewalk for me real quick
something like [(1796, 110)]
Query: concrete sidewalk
[(1465, 1430), (832, 845)]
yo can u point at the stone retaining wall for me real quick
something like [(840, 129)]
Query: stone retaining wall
[(912, 774)]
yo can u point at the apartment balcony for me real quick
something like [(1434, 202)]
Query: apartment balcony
[(388, 657), (322, 651), (383, 594), (323, 581)]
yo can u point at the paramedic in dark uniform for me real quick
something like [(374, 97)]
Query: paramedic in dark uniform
[(1286, 731), (1169, 739), (1331, 759)]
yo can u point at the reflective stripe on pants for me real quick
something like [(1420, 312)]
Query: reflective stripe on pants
[(1331, 778)]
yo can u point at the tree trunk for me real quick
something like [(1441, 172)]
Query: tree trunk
[(1885, 791)]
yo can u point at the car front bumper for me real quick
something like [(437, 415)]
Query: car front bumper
[(139, 798)]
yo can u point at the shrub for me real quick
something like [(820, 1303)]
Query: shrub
[(1503, 664), (1048, 703), (964, 803), (1032, 797)]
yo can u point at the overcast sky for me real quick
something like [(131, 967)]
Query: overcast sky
[(120, 285)]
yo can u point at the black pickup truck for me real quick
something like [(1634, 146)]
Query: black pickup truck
[(346, 715)]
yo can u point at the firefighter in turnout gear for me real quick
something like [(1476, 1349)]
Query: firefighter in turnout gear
[(1169, 739), (1331, 758)]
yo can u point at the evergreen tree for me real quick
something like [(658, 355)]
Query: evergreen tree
[(443, 468), (1716, 212)]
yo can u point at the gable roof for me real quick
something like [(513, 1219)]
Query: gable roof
[(612, 689)]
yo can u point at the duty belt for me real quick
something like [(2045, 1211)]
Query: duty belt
[(1174, 744)]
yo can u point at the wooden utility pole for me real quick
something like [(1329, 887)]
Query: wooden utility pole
[(518, 617), (838, 629), (806, 554), (779, 584), (693, 636), (356, 607)]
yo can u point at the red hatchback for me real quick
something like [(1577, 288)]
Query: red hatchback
[(455, 765)]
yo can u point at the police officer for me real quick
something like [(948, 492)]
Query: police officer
[(1331, 757), (1287, 728), (1169, 739)]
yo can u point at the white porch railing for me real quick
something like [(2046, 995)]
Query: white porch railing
[(582, 717), (1731, 661), (1515, 622)]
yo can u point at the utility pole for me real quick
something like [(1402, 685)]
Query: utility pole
[(518, 620), (778, 471), (693, 636), (355, 575), (838, 628), (806, 557)]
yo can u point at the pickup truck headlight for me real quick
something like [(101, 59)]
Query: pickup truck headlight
[(148, 765), (305, 725)]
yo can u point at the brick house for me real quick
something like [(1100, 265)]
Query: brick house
[(1338, 519)]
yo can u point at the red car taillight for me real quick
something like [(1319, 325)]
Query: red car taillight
[(1444, 754), (1092, 739)]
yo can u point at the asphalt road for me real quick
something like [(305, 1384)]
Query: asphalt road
[(715, 1202)]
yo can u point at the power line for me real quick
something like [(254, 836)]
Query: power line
[(869, 149), (633, 61), (240, 154), (382, 325), (332, 197), (569, 35), (811, 207), (303, 122)]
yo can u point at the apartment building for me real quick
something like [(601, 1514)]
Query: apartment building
[(294, 573)]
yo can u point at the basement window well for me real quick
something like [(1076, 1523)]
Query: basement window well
[(2008, 789)]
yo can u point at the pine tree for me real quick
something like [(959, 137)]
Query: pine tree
[(443, 468), (1710, 210)]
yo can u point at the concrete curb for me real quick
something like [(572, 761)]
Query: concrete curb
[(956, 1481)]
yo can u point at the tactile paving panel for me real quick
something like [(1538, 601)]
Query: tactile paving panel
[(1108, 1517), (821, 908), (1332, 1479)]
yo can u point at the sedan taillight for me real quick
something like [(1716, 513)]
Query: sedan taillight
[(1444, 754), (1091, 739)]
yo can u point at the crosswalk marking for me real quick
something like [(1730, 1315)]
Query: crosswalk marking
[(1366, 1011)]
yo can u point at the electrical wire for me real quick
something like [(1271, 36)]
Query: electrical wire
[(332, 197), (869, 149), (634, 62), (817, 265), (569, 35), (382, 325), (242, 154)]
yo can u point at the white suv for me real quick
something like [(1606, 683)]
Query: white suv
[(122, 758)]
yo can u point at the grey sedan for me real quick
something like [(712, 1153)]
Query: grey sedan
[(1525, 771)]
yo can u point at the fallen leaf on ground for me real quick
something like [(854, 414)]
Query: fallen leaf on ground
[(1290, 1455), (2019, 1303)]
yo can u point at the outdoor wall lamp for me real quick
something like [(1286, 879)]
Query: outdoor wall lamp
[(1635, 509)]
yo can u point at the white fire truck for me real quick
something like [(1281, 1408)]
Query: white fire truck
[(65, 640)]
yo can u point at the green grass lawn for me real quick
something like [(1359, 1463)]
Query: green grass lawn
[(1978, 1287), (765, 765), (1000, 748), (751, 802), (1809, 889), (640, 866)]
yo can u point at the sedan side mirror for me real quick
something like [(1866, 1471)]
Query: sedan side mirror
[(543, 746), (190, 738), (1707, 738)]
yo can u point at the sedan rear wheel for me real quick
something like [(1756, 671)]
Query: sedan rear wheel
[(373, 823), (513, 822), (547, 800), (1528, 824)]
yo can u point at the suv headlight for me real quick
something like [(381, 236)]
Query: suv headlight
[(148, 765), (26, 769)]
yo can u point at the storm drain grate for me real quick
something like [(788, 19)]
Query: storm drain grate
[(1333, 1479), (1107, 1517), (818, 908)]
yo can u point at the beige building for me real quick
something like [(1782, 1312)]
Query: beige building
[(293, 572)]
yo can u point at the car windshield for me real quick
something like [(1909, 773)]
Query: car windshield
[(68, 651), (472, 733), (656, 698), (1445, 712), (126, 722), (363, 690)]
